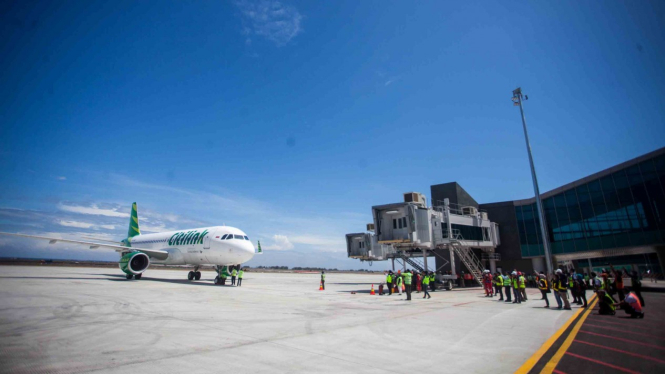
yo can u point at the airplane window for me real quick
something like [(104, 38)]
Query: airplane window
[(224, 237), (238, 237), (229, 237), (246, 238)]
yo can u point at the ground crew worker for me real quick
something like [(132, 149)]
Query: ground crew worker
[(580, 288), (516, 288), (618, 282), (631, 304), (506, 285), (498, 285), (605, 303), (241, 273), (560, 286), (408, 277), (399, 282), (522, 283), (234, 274), (389, 282), (323, 280), (596, 282), (636, 285), (544, 289), (571, 287), (425, 285), (432, 281)]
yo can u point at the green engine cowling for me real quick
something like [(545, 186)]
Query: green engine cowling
[(134, 263)]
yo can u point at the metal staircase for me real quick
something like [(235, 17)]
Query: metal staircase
[(467, 256), (420, 266)]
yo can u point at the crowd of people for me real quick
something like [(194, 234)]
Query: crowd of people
[(569, 287), (408, 282), (564, 283)]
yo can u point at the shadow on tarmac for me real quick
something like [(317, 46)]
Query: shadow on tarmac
[(174, 281)]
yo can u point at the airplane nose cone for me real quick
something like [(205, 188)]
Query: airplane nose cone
[(247, 251)]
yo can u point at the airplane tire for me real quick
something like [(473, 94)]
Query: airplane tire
[(129, 276), (197, 275), (217, 280), (190, 275), (138, 276)]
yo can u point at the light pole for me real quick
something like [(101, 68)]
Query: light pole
[(517, 100)]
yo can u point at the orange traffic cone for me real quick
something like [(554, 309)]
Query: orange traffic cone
[(372, 292), (321, 286)]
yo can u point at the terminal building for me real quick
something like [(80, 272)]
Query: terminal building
[(615, 216)]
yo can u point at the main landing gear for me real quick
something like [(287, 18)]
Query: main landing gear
[(194, 275), (130, 276)]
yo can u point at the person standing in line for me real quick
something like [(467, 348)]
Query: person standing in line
[(234, 274), (571, 286), (596, 283), (432, 281), (425, 285), (557, 297), (561, 287), (323, 280), (398, 282), (389, 282), (462, 280), (522, 287), (408, 277), (241, 274), (580, 288), (618, 282), (516, 288), (419, 281), (506, 286), (544, 289), (498, 285)]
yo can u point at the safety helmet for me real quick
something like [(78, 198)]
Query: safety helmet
[(514, 273), (559, 271)]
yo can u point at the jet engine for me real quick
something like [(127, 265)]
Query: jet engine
[(134, 264)]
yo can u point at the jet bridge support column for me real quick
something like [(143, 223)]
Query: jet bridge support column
[(425, 258), (449, 226), (393, 263)]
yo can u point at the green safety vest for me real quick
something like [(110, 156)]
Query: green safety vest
[(522, 285), (432, 278), (515, 285), (399, 281), (234, 272), (389, 278), (240, 274), (425, 281), (407, 278), (506, 281), (570, 282), (323, 277), (498, 281), (560, 285)]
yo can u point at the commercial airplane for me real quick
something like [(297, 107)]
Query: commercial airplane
[(220, 246)]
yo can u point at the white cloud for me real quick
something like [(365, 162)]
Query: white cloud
[(93, 210), (279, 243), (62, 178), (108, 227), (270, 19), (81, 225)]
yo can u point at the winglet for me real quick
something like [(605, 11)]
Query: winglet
[(260, 250)]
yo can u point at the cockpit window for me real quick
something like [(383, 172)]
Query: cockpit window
[(224, 237), (238, 236), (246, 238), (230, 236)]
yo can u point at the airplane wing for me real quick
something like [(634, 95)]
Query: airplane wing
[(156, 253)]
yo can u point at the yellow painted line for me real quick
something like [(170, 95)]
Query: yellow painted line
[(551, 365), (533, 360)]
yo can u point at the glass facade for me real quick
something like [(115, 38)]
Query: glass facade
[(623, 209)]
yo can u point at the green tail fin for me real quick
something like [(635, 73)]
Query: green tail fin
[(134, 223)]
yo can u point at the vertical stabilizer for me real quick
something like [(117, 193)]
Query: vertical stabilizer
[(133, 223)]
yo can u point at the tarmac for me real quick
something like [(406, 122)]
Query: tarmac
[(64, 320)]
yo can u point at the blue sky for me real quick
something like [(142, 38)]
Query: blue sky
[(290, 119)]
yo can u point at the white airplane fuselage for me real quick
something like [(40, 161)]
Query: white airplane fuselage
[(216, 245)]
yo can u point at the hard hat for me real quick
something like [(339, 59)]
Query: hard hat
[(559, 271), (514, 273)]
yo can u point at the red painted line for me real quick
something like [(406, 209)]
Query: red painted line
[(464, 303), (621, 351), (623, 331), (603, 321), (603, 363), (624, 340), (555, 371)]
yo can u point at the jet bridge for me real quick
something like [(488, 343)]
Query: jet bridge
[(412, 229)]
